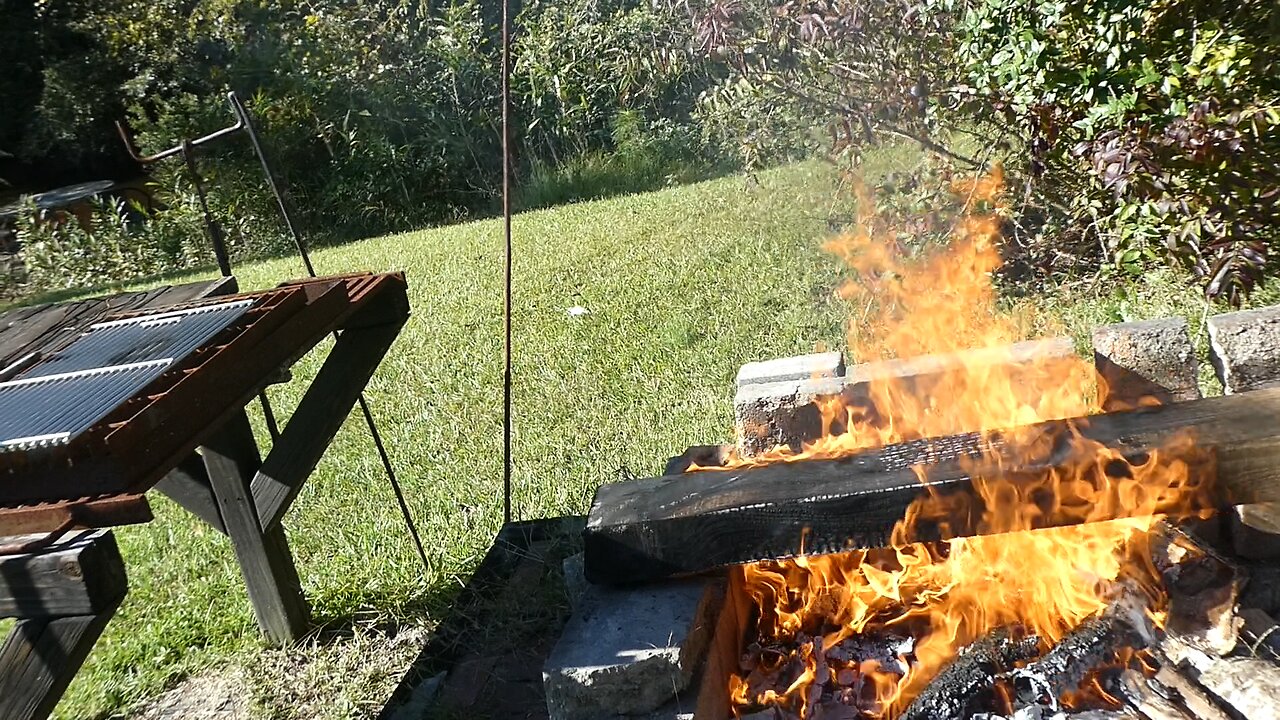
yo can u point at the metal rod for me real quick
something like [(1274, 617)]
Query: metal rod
[(244, 120), (506, 264), (211, 226)]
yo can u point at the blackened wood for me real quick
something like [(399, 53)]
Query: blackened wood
[(1094, 642), (966, 685), (649, 529), (79, 574), (322, 410), (39, 659), (231, 458), (1190, 695), (1260, 634), (188, 485)]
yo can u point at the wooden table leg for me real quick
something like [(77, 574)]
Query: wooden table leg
[(231, 458), (64, 594)]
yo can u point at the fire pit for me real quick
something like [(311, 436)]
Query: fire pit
[(952, 533)]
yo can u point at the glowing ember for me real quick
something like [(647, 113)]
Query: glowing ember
[(1042, 583)]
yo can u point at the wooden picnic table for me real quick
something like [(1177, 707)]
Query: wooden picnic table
[(227, 482)]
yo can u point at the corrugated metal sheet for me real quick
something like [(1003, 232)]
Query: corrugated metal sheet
[(62, 397), (162, 336)]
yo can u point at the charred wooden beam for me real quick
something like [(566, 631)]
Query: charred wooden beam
[(1093, 643), (648, 529), (965, 686)]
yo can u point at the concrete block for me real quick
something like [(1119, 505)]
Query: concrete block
[(781, 413), (630, 651), (786, 412), (1146, 360), (1245, 348), (800, 367)]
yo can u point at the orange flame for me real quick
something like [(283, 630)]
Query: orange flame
[(943, 300)]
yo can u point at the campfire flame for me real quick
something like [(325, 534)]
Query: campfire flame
[(1041, 582)]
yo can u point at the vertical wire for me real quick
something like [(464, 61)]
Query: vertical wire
[(506, 228)]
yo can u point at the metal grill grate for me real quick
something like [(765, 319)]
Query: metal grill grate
[(163, 336), (57, 400)]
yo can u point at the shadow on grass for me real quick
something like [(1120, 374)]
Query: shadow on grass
[(514, 603)]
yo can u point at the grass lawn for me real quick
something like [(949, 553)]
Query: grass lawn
[(682, 286)]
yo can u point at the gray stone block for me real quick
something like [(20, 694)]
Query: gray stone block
[(800, 367), (780, 413), (1150, 359), (786, 413), (630, 651), (1245, 348)]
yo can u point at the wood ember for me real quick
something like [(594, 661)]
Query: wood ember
[(1094, 642), (1203, 588), (966, 685), (1190, 695)]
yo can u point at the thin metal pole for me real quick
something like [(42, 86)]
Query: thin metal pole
[(243, 118), (506, 230), (211, 226)]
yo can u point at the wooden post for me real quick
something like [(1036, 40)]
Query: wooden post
[(64, 595), (231, 459)]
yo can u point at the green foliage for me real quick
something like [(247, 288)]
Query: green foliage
[(59, 254), (378, 115), (1156, 125), (861, 71), (644, 155)]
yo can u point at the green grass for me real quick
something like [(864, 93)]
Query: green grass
[(683, 286)]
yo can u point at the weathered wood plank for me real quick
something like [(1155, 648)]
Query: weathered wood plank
[(648, 529), (231, 458), (79, 574), (322, 410), (39, 659), (64, 593), (188, 485)]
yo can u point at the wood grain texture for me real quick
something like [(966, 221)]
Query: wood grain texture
[(648, 529), (80, 574), (275, 590), (39, 659)]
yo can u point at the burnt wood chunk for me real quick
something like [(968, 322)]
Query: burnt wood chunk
[(966, 685), (1094, 642), (647, 529)]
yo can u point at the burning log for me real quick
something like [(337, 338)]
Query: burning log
[(1062, 669), (967, 684), (654, 528)]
